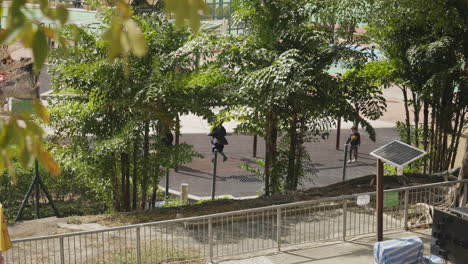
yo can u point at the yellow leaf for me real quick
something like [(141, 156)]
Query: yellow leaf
[(136, 37), (49, 163), (49, 32), (187, 10), (39, 49), (41, 111), (62, 14)]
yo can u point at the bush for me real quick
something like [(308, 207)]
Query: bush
[(70, 194)]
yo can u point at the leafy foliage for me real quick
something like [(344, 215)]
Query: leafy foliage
[(121, 119)]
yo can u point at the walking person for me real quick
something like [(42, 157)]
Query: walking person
[(354, 141), (218, 140)]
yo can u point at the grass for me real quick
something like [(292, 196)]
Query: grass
[(178, 210), (157, 254)]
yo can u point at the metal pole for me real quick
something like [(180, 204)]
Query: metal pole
[(36, 176), (210, 238), (215, 163), (25, 200), (254, 154), (406, 210), (380, 199), (62, 251), (167, 184), (138, 245), (345, 161), (338, 134), (49, 197), (345, 212), (278, 228)]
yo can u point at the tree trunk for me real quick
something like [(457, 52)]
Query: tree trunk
[(425, 130), (144, 182), (417, 110), (290, 180), (153, 195), (135, 174), (356, 109), (433, 139), (463, 175), (125, 179), (299, 152), (404, 89), (115, 184), (271, 136), (457, 141), (177, 133)]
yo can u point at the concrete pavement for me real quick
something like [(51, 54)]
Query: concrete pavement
[(356, 251), (326, 166)]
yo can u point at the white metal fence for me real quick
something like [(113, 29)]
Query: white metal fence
[(201, 239)]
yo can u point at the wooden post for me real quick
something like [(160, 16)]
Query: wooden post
[(380, 198), (338, 132)]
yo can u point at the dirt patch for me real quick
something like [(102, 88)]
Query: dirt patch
[(353, 186)]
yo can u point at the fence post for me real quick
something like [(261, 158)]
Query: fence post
[(138, 245), (215, 163), (278, 228), (345, 212), (406, 209), (62, 251), (345, 161), (210, 238)]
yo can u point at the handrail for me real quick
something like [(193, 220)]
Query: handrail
[(259, 209)]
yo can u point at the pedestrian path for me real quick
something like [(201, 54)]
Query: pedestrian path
[(356, 251), (234, 182)]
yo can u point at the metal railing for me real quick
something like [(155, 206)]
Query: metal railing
[(203, 238)]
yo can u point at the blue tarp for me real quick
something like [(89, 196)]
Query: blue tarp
[(407, 250)]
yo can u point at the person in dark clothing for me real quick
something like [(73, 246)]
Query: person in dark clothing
[(218, 140), (354, 142), (168, 139)]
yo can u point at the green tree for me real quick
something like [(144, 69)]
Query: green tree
[(425, 39), (123, 37), (276, 83), (364, 92), (120, 119)]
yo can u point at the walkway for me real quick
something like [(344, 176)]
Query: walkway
[(356, 251), (326, 167)]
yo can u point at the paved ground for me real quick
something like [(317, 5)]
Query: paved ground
[(232, 180), (326, 167), (357, 251)]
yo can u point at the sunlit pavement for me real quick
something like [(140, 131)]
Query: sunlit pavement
[(356, 251)]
